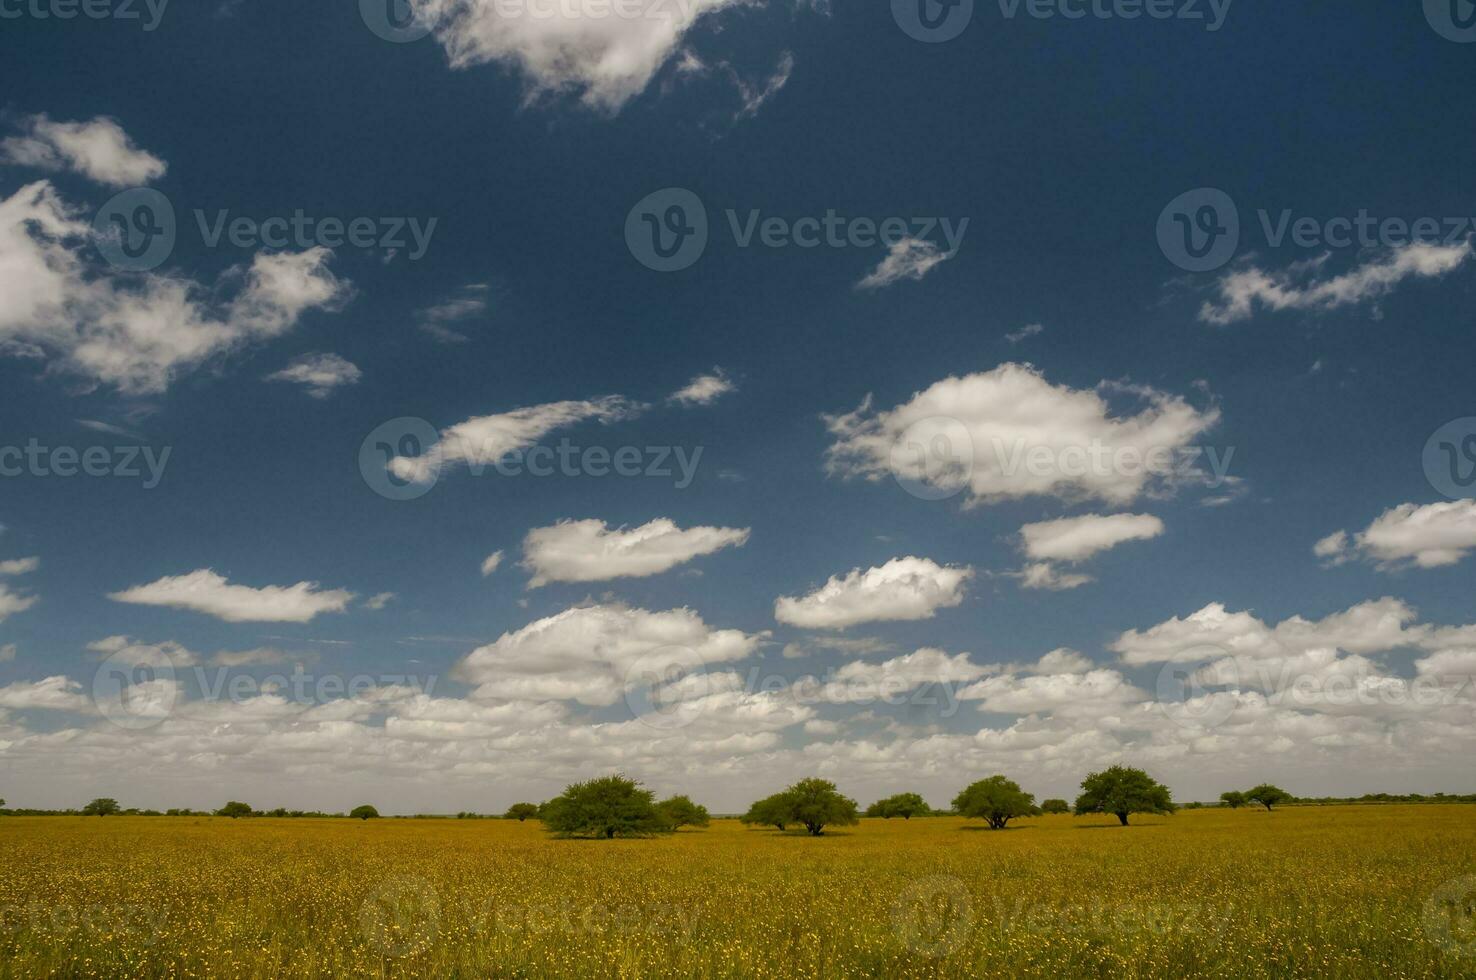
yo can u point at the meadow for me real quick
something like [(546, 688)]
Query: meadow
[(1346, 891)]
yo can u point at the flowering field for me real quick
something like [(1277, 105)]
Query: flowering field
[(1335, 891)]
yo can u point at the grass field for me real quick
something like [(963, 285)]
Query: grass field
[(1335, 891)]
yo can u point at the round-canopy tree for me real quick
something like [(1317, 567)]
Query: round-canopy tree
[(816, 804), (234, 809), (997, 800), (611, 806), (103, 806), (1120, 791), (771, 811), (680, 811), (904, 805), (1054, 806), (1268, 796), (521, 812), (364, 812), (1234, 799)]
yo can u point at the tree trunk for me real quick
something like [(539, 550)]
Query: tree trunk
[(1124, 818)]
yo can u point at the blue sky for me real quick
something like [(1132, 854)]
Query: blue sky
[(1027, 301)]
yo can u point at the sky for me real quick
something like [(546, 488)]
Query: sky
[(432, 406)]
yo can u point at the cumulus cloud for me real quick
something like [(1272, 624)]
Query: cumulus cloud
[(490, 563), (1044, 575), (902, 589), (592, 654), (379, 600), (910, 258), (1076, 539), (136, 332), (318, 373), (1008, 433), (1429, 536), (590, 551), (125, 650), (704, 389), (603, 60), (1301, 287), (12, 602), (486, 439), (19, 566), (97, 149), (51, 694), (206, 592), (1016, 695)]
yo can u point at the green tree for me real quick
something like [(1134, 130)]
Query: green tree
[(1120, 791), (234, 809), (680, 811), (1268, 796), (816, 804), (365, 812), (771, 811), (521, 811), (997, 800), (103, 806), (904, 805), (1234, 799), (607, 807), (1054, 806)]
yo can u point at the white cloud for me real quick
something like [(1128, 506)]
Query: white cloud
[(318, 373), (52, 693), (1022, 436), (926, 665), (1299, 288), (14, 602), (1044, 575), (486, 439), (902, 589), (490, 563), (910, 258), (19, 566), (1010, 694), (1062, 660), (127, 651), (590, 551), (136, 332), (206, 592), (1076, 539), (604, 60), (1025, 332), (7, 653), (704, 389), (585, 654), (379, 600), (97, 149), (1429, 536), (470, 302)]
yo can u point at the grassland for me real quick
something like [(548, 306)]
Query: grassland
[(1333, 891)]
